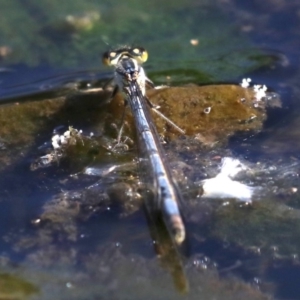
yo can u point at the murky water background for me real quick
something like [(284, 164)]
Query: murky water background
[(66, 234)]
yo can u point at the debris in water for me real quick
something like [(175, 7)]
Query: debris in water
[(222, 186)]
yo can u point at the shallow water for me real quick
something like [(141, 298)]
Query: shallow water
[(69, 235)]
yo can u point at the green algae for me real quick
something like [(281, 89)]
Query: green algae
[(13, 287), (108, 273), (213, 112), (269, 226), (75, 33), (20, 122)]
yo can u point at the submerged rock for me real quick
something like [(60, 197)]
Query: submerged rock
[(209, 113)]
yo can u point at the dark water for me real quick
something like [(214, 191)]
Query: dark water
[(67, 235)]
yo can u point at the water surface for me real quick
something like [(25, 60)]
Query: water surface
[(68, 235)]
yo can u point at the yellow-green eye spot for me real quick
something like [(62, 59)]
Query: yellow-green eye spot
[(136, 51), (112, 54)]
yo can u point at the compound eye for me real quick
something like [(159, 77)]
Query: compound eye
[(110, 58), (140, 54), (112, 55), (136, 51), (106, 58)]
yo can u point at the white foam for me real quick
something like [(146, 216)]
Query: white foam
[(222, 186)]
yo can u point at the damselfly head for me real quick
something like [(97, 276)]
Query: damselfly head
[(111, 58)]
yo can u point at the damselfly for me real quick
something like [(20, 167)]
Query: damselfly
[(130, 79)]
